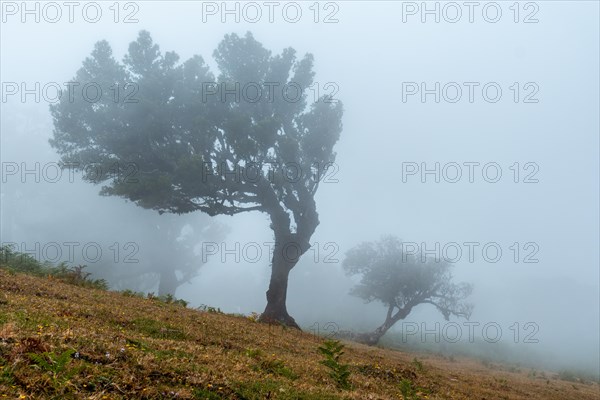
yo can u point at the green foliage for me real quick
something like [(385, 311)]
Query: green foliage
[(256, 390), (407, 390), (254, 353), (209, 309), (401, 281), (418, 365), (6, 374), (167, 299), (136, 344), (55, 364), (19, 262), (131, 293), (333, 350), (270, 389), (181, 302), (77, 276), (270, 365), (170, 299), (157, 330), (276, 367), (169, 129)]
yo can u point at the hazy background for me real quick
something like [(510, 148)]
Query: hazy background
[(368, 53)]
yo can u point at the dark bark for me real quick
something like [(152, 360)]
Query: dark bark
[(286, 253), (289, 245)]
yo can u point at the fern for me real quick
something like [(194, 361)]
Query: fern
[(55, 364), (340, 373)]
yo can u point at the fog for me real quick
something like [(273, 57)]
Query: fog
[(516, 172)]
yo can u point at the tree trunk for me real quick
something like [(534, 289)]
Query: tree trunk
[(372, 338), (168, 282), (285, 256)]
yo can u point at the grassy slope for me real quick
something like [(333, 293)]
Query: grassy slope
[(134, 348)]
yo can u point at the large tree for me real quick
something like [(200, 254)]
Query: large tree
[(402, 280), (188, 144)]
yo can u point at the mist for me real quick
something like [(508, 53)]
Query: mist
[(503, 184)]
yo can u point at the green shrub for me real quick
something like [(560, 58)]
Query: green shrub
[(25, 263), (131, 293), (209, 309), (77, 276), (20, 262)]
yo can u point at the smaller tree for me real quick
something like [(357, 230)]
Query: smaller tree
[(402, 281), (166, 253)]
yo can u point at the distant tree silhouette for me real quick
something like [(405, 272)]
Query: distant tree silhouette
[(401, 282)]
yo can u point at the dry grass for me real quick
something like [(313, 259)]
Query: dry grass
[(120, 347)]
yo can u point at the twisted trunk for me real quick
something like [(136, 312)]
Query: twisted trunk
[(286, 253), (372, 338), (290, 244)]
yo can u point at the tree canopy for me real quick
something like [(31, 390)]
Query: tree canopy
[(171, 137), (401, 281)]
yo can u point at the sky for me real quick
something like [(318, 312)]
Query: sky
[(480, 127)]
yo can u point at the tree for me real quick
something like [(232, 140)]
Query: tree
[(188, 144), (181, 237), (401, 281), (165, 255)]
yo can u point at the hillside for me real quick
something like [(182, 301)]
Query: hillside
[(63, 341)]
